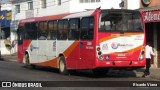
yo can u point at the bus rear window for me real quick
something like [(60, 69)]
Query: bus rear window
[(120, 21)]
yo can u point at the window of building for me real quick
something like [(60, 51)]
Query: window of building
[(86, 1), (59, 2), (98, 0), (89, 1), (81, 1), (74, 26), (43, 4), (92, 1), (5, 33), (30, 5), (87, 28), (17, 8)]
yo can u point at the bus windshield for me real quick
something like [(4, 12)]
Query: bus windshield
[(120, 20)]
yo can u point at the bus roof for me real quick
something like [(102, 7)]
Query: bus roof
[(70, 15), (57, 17)]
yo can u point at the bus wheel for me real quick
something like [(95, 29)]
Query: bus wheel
[(62, 66), (27, 62)]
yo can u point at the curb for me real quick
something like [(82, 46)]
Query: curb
[(12, 60)]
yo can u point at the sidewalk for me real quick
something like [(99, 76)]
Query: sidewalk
[(154, 72), (12, 57)]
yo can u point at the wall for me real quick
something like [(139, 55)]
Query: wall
[(68, 6), (76, 6), (5, 51), (21, 15), (152, 3), (52, 8), (133, 4)]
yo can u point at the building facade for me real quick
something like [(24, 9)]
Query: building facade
[(151, 15), (5, 19)]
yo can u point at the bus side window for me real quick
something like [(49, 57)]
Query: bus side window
[(55, 28), (66, 29), (62, 29), (42, 35), (20, 35), (51, 34), (27, 31), (74, 25), (50, 27), (87, 28), (33, 32)]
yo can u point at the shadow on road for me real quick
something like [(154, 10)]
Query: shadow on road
[(110, 74), (88, 73), (41, 68)]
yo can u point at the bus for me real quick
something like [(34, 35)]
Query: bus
[(95, 40)]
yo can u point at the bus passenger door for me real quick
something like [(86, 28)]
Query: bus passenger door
[(86, 44)]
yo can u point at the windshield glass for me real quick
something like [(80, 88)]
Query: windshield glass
[(120, 20)]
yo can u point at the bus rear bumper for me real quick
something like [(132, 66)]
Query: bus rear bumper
[(121, 64)]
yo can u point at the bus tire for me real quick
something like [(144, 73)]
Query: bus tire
[(62, 66), (27, 62)]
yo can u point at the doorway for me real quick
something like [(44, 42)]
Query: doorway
[(153, 36), (149, 36), (158, 44)]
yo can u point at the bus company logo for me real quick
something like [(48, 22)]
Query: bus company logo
[(145, 3), (105, 47), (115, 45), (54, 46), (138, 38), (31, 47)]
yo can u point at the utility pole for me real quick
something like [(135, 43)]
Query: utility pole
[(124, 4), (0, 28)]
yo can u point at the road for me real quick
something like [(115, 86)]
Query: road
[(13, 71)]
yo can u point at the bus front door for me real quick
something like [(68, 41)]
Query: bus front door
[(86, 44)]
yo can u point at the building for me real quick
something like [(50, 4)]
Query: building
[(5, 19), (151, 14)]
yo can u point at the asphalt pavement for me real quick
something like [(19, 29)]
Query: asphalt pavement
[(154, 72)]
